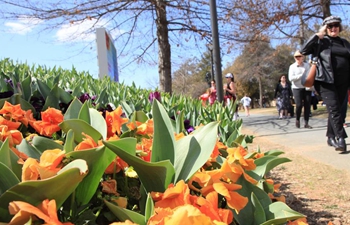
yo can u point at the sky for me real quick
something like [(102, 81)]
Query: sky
[(25, 41)]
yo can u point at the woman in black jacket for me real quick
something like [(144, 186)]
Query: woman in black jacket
[(333, 75)]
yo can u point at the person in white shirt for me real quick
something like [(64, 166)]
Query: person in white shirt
[(246, 104), (302, 96)]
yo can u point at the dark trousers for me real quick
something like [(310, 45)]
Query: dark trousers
[(344, 109), (302, 99), (333, 96)]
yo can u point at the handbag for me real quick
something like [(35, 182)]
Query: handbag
[(308, 77)]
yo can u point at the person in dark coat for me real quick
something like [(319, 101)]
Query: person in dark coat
[(332, 75)]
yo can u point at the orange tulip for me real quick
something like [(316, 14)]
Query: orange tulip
[(15, 137), (301, 221), (23, 212), (146, 147), (146, 128), (10, 124), (109, 186), (174, 196), (209, 206), (46, 168), (30, 170), (13, 112), (126, 222), (237, 155), (115, 121), (220, 181), (121, 201), (49, 123), (116, 165), (87, 143), (179, 136), (185, 214), (133, 125)]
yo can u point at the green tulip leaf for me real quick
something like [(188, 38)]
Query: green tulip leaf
[(274, 152), (79, 126), (84, 113), (97, 159), (180, 126), (163, 137), (29, 149), (259, 213), (139, 116), (7, 178), (58, 187), (98, 122), (280, 213), (26, 88), (125, 214), (73, 110), (265, 164), (43, 89), (69, 144), (26, 105), (245, 215), (43, 143), (154, 176), (193, 151), (149, 207), (126, 108), (5, 156), (51, 101)]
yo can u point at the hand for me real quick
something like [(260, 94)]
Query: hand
[(322, 32)]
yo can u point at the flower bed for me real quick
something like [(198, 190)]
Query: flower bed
[(79, 162)]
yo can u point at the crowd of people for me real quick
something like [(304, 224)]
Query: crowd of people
[(330, 57)]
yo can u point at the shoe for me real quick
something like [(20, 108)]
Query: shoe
[(308, 126), (297, 123), (341, 145), (332, 142)]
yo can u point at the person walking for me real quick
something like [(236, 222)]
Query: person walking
[(283, 94), (230, 93), (212, 92), (246, 104), (332, 77), (302, 96)]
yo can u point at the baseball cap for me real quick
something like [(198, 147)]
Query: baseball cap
[(229, 75)]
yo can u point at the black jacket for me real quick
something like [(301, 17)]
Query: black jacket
[(324, 69)]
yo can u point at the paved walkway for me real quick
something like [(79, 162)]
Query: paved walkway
[(310, 143)]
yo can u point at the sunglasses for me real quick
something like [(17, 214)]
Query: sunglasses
[(330, 26), (299, 56)]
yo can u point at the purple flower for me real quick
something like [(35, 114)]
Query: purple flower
[(189, 128), (154, 95), (84, 97)]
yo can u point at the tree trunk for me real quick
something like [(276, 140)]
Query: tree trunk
[(260, 92), (164, 53), (326, 8), (302, 24)]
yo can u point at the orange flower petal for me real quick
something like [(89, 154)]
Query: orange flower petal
[(236, 201), (30, 170)]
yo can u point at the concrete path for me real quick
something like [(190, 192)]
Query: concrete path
[(310, 143)]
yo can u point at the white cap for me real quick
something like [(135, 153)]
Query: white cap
[(229, 75)]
